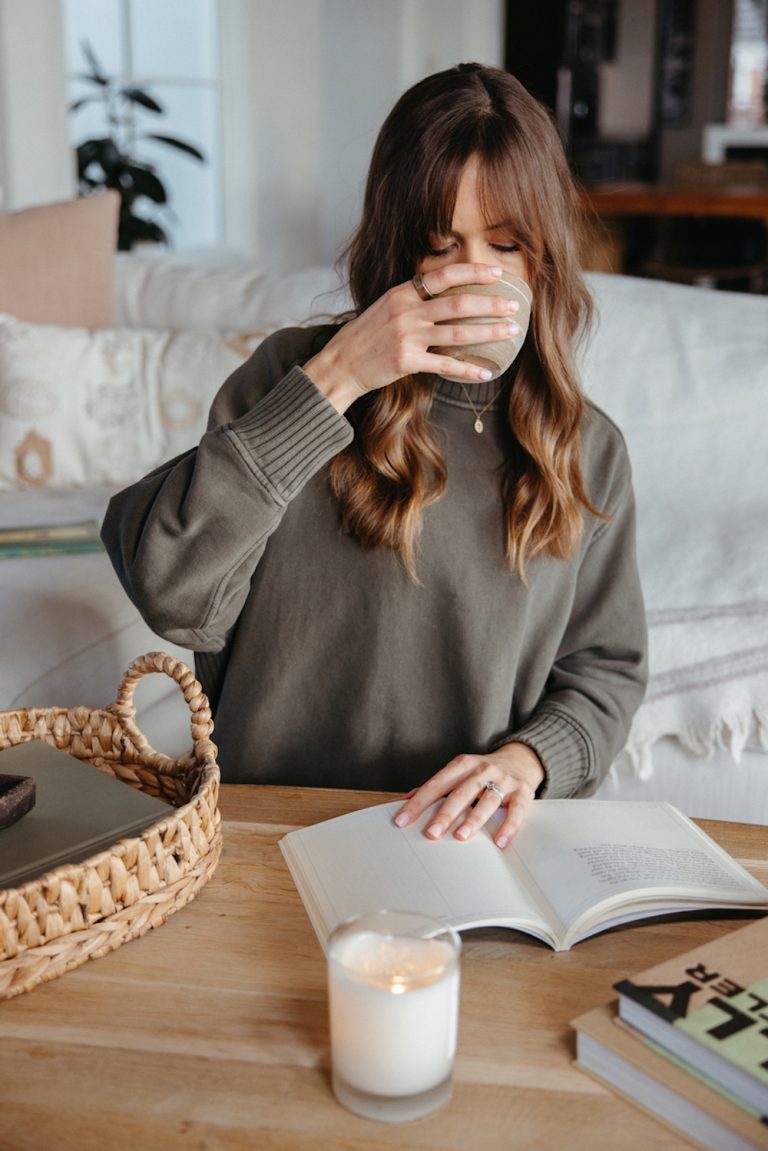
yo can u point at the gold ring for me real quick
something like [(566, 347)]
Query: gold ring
[(422, 290)]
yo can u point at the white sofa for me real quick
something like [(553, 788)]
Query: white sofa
[(683, 371)]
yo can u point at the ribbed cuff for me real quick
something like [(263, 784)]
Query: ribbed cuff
[(564, 748), (290, 433)]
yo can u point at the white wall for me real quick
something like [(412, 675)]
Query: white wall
[(309, 83), (36, 163)]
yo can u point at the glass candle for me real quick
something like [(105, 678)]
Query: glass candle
[(393, 985)]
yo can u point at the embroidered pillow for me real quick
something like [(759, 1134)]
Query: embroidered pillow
[(105, 407)]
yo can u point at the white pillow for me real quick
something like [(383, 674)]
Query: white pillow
[(105, 407), (684, 373)]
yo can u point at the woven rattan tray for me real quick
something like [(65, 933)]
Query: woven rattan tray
[(82, 911)]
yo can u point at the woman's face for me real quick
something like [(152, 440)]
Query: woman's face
[(473, 239)]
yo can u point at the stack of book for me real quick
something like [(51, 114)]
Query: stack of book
[(687, 1040)]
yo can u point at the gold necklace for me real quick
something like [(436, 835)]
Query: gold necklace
[(477, 415)]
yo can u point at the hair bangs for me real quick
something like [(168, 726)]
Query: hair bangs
[(507, 198), (439, 191)]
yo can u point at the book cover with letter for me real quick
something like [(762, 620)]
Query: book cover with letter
[(709, 1007), (577, 867), (78, 812)]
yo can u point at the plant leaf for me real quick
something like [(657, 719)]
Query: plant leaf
[(76, 104), (104, 153), (133, 228), (139, 96), (182, 145), (146, 183), (109, 156), (87, 152), (92, 79), (97, 72)]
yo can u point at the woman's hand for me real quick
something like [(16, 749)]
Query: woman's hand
[(390, 339), (515, 770)]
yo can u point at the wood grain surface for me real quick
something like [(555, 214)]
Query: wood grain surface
[(211, 1032)]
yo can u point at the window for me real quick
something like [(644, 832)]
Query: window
[(171, 49), (749, 63)]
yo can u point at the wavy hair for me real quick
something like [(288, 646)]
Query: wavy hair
[(394, 468)]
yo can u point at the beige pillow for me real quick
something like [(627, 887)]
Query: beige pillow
[(82, 407), (57, 262)]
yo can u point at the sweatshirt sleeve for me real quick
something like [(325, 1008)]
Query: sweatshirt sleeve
[(599, 675), (186, 539)]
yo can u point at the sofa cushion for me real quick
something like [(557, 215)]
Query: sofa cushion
[(57, 262), (106, 406), (684, 373), (163, 291)]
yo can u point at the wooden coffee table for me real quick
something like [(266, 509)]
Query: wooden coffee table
[(211, 1032)]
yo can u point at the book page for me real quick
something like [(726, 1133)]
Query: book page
[(363, 862), (584, 853)]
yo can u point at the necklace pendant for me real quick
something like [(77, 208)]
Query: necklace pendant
[(478, 425)]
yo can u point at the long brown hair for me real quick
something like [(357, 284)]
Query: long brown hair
[(394, 467)]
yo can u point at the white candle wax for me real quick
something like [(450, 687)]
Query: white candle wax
[(394, 1012)]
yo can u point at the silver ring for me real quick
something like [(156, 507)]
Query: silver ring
[(491, 786), (422, 290)]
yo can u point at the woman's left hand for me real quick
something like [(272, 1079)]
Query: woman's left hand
[(516, 772)]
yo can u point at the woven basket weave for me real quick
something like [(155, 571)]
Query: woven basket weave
[(82, 911)]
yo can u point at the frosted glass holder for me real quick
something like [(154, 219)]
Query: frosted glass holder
[(393, 987)]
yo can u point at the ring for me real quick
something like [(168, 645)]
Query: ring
[(491, 786), (422, 290)]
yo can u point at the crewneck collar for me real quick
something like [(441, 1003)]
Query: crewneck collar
[(481, 393)]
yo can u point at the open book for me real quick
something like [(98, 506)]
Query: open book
[(577, 867)]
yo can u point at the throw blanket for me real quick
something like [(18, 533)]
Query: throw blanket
[(684, 373)]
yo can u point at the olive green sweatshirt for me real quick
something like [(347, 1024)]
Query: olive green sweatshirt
[(326, 664)]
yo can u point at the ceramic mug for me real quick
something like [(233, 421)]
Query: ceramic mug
[(496, 355)]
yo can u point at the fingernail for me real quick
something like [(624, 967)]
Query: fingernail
[(484, 374), (513, 329), (462, 832), (435, 830), (513, 306), (403, 818), (496, 270), (502, 842)]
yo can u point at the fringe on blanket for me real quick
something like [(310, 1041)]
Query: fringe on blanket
[(705, 727)]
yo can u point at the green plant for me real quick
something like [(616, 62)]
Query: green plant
[(108, 161)]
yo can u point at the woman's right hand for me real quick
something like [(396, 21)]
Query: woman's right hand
[(391, 338)]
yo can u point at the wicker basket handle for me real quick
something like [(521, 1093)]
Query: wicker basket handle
[(196, 700)]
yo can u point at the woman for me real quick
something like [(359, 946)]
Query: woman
[(392, 580)]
